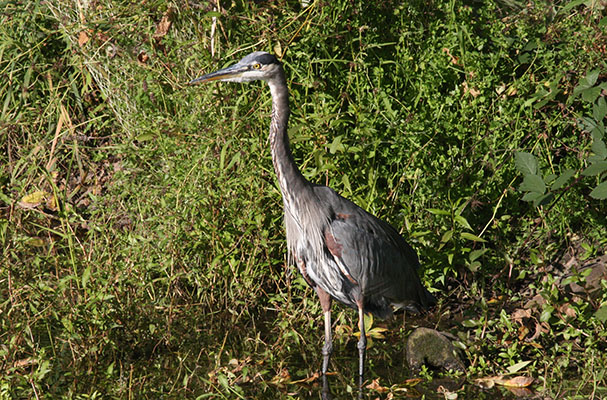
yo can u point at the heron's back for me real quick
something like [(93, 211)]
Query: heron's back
[(362, 258)]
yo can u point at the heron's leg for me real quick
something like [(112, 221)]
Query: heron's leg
[(362, 345), (326, 389), (327, 349)]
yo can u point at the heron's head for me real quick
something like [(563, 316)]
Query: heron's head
[(253, 67)]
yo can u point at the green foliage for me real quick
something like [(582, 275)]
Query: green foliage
[(141, 230), (541, 190)]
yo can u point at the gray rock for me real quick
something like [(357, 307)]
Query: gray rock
[(431, 347)]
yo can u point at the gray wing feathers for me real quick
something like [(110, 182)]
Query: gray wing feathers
[(374, 254)]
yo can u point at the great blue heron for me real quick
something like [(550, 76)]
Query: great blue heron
[(342, 251)]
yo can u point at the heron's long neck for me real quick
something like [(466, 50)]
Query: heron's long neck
[(289, 177)]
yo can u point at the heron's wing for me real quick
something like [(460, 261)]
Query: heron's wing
[(372, 252)]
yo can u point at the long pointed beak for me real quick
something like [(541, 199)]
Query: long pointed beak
[(231, 72)]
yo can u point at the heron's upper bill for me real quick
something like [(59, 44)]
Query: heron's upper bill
[(227, 74)]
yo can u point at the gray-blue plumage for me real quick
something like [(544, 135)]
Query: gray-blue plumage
[(343, 252)]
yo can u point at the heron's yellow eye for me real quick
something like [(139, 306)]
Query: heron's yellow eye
[(257, 66)]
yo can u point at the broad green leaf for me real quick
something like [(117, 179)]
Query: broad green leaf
[(596, 168), (599, 109), (475, 254), (587, 124), (598, 132), (571, 5), (346, 183), (336, 145), (462, 221), (543, 199), (598, 148), (474, 266), (562, 179), (592, 76), (437, 211), (591, 94), (532, 196), (470, 236), (368, 319), (546, 314), (518, 366), (601, 313), (600, 192), (533, 183), (470, 323), (447, 236), (525, 162), (145, 137)]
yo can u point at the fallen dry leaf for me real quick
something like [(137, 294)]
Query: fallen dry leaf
[(454, 59), (314, 377), (374, 385), (517, 381), (25, 362), (34, 199), (83, 38), (519, 314), (514, 382), (485, 383), (282, 377), (413, 381), (143, 57), (449, 395), (467, 89), (567, 310), (164, 25)]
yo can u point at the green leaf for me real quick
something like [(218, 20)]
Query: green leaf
[(596, 168), (470, 236), (598, 148), (475, 254), (592, 76), (599, 109), (546, 314), (336, 145), (470, 323), (518, 366), (368, 319), (437, 211), (571, 5), (591, 94), (562, 179), (532, 196), (145, 137), (525, 162), (447, 236), (588, 124), (86, 275), (462, 221), (542, 199), (601, 313), (600, 192), (533, 183)]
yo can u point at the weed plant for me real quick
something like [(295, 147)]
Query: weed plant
[(143, 253)]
